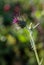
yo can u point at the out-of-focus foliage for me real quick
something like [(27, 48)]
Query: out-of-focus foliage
[(15, 46)]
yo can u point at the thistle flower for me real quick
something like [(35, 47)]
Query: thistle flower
[(22, 24), (15, 20)]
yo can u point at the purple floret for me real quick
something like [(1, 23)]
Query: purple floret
[(15, 20)]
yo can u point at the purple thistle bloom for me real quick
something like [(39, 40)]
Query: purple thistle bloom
[(15, 20)]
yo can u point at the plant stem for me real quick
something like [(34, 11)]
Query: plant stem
[(34, 48)]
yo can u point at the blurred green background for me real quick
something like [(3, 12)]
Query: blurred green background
[(15, 46)]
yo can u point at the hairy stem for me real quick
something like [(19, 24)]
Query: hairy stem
[(34, 48)]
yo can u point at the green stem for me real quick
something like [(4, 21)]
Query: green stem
[(34, 48)]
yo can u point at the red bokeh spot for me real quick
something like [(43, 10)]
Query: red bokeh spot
[(17, 9), (7, 7)]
